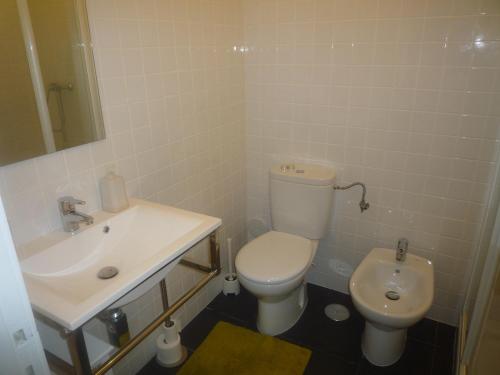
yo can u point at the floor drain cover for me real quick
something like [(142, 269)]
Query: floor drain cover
[(392, 295), (107, 272), (336, 312)]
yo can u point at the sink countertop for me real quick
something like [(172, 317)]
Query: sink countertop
[(60, 268)]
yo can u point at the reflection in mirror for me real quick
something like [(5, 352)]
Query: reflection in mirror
[(48, 98)]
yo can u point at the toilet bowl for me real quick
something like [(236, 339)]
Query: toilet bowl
[(392, 296), (273, 266)]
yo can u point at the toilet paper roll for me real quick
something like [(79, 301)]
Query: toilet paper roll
[(177, 323), (168, 352), (171, 333)]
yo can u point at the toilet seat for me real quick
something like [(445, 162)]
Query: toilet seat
[(275, 257)]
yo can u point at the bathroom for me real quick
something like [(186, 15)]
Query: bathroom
[(198, 99)]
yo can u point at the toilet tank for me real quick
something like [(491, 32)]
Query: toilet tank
[(301, 199)]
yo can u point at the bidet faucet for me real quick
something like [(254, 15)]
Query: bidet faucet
[(401, 249), (71, 218)]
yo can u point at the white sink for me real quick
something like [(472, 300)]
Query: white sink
[(147, 239)]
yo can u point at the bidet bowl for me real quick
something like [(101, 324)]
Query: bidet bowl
[(392, 296), (379, 273)]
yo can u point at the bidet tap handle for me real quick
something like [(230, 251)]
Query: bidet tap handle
[(401, 249), (402, 244)]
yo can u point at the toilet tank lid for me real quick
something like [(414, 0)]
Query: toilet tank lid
[(308, 174)]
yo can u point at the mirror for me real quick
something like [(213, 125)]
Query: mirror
[(49, 99)]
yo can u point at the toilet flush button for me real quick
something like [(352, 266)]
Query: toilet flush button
[(285, 167)]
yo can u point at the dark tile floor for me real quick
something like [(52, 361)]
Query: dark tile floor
[(335, 346)]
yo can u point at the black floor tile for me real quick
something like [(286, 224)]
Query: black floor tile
[(199, 328), (416, 360), (335, 346), (445, 335), (444, 354), (443, 362), (323, 364), (242, 307), (319, 333), (153, 368), (424, 331)]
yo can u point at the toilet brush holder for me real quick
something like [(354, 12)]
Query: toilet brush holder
[(231, 284)]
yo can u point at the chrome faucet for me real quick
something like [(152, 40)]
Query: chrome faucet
[(71, 218), (401, 249)]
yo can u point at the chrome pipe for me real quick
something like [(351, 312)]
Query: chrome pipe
[(363, 204), (136, 340), (214, 253), (78, 352), (118, 356), (196, 266), (164, 301)]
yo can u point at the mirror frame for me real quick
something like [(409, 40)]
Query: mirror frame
[(91, 71)]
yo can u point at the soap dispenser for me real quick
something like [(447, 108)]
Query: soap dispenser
[(113, 193)]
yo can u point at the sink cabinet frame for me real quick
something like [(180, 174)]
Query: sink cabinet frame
[(76, 341)]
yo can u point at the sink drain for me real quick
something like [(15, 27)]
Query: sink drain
[(392, 295), (107, 272)]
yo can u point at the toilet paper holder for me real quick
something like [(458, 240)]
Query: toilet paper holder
[(169, 349)]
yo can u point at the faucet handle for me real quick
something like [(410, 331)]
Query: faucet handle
[(67, 204), (402, 244), (71, 200)]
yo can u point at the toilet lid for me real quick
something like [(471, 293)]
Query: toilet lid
[(274, 257)]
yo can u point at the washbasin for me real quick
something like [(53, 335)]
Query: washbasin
[(71, 277)]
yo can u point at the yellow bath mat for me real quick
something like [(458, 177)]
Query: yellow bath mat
[(229, 349)]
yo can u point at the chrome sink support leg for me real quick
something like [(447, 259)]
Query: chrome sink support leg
[(136, 340), (76, 341), (214, 253), (164, 300), (78, 352)]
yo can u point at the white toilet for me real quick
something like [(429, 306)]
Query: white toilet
[(273, 266)]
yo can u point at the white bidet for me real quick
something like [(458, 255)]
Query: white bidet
[(392, 296)]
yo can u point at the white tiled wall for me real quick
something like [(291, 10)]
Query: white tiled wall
[(400, 94), (403, 95), (172, 92)]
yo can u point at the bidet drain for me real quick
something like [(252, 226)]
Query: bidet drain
[(392, 295), (107, 272)]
